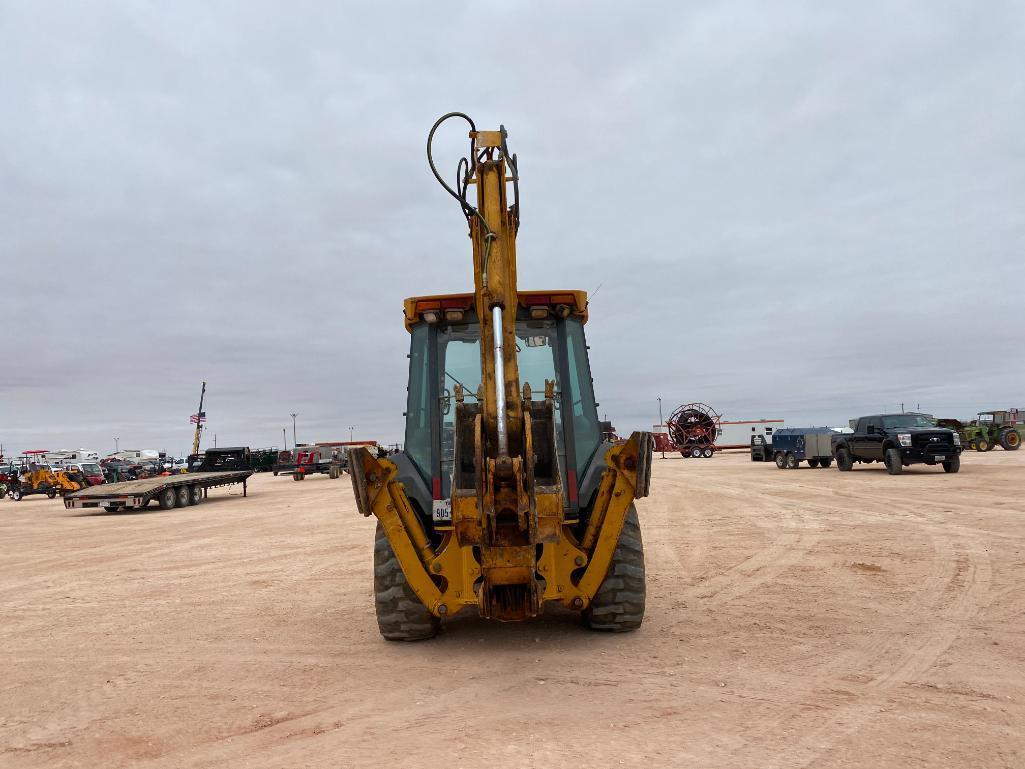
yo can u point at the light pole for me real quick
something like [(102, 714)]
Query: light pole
[(661, 424), (284, 439), (294, 441), (116, 449), (350, 433)]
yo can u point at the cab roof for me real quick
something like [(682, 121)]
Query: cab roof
[(415, 307)]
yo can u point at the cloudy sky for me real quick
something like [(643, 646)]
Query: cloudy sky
[(794, 210)]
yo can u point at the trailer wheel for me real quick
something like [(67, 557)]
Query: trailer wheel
[(167, 498), (275, 473), (1010, 439), (618, 605), (792, 461), (982, 444), (195, 494), (953, 464), (183, 496), (51, 493), (813, 462), (400, 614), (16, 495), (825, 462), (844, 461), (708, 452), (781, 460), (894, 464)]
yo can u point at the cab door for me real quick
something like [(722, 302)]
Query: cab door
[(874, 439)]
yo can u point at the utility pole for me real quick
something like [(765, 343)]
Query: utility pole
[(294, 441), (661, 424), (350, 433), (116, 449), (200, 416), (215, 440), (284, 439)]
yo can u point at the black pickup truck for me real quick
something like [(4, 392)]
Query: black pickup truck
[(898, 440)]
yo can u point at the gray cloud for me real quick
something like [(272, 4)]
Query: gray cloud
[(801, 212)]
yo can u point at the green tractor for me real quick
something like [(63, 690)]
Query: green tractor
[(989, 429)]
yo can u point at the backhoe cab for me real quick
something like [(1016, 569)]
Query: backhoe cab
[(506, 495)]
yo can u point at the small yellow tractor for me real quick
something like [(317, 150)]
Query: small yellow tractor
[(40, 479), (507, 496)]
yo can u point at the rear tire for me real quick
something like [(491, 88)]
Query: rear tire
[(792, 461), (51, 493), (400, 614), (183, 497), (826, 462), (844, 461), (16, 495), (195, 495), (813, 462), (953, 464), (894, 463), (708, 452), (781, 460), (167, 498), (618, 605), (1010, 439)]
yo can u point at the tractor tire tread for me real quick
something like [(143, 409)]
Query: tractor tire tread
[(400, 614), (618, 606)]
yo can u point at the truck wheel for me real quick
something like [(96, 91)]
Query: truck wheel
[(982, 444), (618, 605), (51, 493), (792, 461), (781, 460), (16, 495), (953, 464), (826, 462), (709, 452), (183, 496), (275, 473), (813, 462), (400, 615), (844, 462), (167, 498), (893, 462), (195, 494), (1010, 439)]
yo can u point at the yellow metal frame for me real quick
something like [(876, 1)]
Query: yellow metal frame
[(445, 580)]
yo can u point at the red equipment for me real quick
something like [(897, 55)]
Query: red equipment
[(693, 429)]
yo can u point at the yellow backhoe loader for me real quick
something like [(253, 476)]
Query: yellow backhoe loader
[(506, 496)]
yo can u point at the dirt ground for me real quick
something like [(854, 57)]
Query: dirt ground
[(795, 618)]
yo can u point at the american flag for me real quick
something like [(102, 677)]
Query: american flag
[(197, 418)]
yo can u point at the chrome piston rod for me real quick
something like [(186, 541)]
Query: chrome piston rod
[(503, 435)]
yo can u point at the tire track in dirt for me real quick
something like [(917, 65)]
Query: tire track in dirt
[(955, 589)]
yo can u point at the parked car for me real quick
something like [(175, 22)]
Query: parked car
[(898, 440)]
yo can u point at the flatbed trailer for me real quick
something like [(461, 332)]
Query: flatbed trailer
[(169, 491)]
